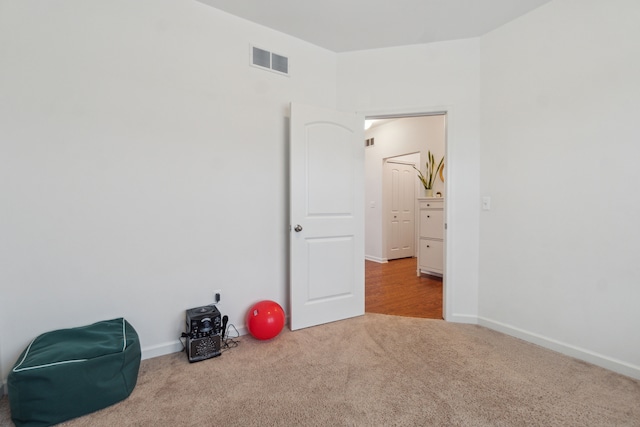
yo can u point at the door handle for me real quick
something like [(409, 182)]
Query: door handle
[(298, 228)]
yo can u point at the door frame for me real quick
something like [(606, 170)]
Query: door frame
[(446, 111)]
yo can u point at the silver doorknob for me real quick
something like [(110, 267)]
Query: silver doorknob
[(298, 228)]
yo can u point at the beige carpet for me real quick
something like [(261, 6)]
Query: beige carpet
[(372, 371)]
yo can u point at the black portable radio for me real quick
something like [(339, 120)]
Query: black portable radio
[(203, 333)]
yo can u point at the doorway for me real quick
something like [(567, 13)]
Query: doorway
[(388, 138)]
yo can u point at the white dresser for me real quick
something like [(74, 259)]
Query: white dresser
[(431, 235)]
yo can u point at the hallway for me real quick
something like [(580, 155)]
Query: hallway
[(393, 288)]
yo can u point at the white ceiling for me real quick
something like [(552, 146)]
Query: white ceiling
[(347, 25)]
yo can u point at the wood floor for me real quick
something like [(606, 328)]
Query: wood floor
[(393, 288)]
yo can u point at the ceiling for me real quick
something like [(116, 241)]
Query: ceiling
[(348, 25)]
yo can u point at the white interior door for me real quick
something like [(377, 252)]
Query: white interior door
[(400, 206), (327, 215)]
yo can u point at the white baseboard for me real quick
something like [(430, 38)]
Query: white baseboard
[(161, 349), (376, 259), (603, 361), (462, 318)]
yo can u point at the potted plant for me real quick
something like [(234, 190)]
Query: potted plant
[(429, 177)]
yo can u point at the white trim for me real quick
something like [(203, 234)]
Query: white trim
[(376, 259), (162, 349), (462, 318), (399, 162), (589, 356), (46, 365), (25, 354), (124, 335)]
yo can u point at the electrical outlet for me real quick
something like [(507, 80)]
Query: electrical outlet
[(486, 203), (217, 296)]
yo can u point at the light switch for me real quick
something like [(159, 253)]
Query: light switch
[(486, 203), (372, 204)]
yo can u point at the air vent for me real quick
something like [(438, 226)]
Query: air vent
[(261, 58), (368, 142), (280, 63), (266, 60)]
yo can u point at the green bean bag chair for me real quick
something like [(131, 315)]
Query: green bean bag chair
[(67, 373)]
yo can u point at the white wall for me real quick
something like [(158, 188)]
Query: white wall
[(559, 252), (428, 78), (118, 121), (394, 138)]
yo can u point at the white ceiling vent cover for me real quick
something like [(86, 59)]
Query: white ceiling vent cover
[(266, 60)]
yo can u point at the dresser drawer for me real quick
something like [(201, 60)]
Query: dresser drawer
[(431, 256), (431, 203), (432, 223)]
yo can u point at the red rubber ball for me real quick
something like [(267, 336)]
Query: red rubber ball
[(265, 320)]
